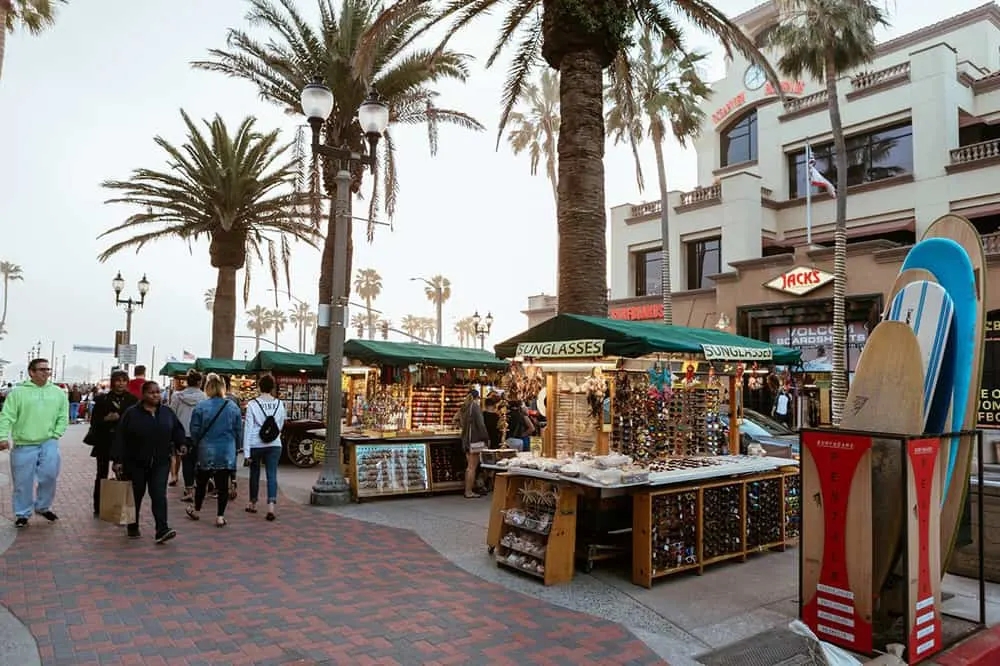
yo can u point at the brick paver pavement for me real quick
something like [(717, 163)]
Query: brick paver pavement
[(310, 588)]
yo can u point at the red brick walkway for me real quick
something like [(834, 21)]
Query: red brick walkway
[(311, 588)]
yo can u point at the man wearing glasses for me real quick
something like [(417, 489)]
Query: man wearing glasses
[(34, 417)]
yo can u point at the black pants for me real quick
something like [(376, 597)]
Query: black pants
[(153, 479), (188, 462), (103, 466), (221, 479)]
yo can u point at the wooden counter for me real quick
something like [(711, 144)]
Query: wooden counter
[(410, 464)]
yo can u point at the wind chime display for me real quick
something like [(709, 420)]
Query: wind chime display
[(518, 384), (386, 410)]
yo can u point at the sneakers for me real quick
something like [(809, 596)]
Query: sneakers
[(165, 536), (133, 532), (21, 522), (49, 516)]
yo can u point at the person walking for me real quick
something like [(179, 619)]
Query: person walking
[(146, 438), (217, 430), (135, 386), (183, 404), (108, 410), (782, 407), (474, 439), (35, 415), (262, 442), (75, 398)]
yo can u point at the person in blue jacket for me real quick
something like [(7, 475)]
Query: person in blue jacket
[(217, 431)]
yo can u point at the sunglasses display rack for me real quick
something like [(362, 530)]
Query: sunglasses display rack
[(691, 526), (537, 535), (447, 461)]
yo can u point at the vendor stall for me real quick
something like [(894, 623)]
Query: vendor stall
[(634, 432), (176, 371), (407, 441)]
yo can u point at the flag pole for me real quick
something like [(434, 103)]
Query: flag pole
[(809, 187)]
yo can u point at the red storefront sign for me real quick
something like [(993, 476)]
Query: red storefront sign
[(729, 107), (787, 87), (645, 312), (925, 632), (799, 281)]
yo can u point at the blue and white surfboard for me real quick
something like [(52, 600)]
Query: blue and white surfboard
[(927, 309)]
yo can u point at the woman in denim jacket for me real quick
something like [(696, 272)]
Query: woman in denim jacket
[(217, 430)]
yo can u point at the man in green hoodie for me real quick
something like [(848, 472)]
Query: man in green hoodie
[(34, 416)]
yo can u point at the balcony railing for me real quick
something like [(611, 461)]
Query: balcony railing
[(648, 208), (985, 150), (801, 103), (869, 79), (767, 193), (698, 195), (991, 243)]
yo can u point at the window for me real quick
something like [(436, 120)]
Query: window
[(871, 157), (648, 272), (704, 258), (739, 142)]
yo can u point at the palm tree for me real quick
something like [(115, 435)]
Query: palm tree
[(358, 322), (440, 291), (411, 325), (825, 39), (210, 299), (536, 129), (368, 285), (384, 325), (11, 272), (276, 320), (32, 15), (651, 87), (427, 327), (405, 77), (461, 328), (580, 40), (259, 324), (300, 315), (233, 188)]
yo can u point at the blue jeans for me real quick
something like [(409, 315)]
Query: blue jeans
[(31, 462), (74, 411), (269, 456)]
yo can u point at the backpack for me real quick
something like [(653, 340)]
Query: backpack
[(269, 430)]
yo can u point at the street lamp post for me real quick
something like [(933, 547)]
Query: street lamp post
[(483, 327), (130, 304), (373, 116), (439, 298)]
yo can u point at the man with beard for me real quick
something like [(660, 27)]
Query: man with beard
[(146, 439), (108, 410)]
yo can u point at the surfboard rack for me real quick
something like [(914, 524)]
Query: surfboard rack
[(841, 596)]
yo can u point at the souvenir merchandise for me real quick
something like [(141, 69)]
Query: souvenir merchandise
[(675, 531), (390, 469), (765, 512), (793, 517), (533, 537), (722, 522)]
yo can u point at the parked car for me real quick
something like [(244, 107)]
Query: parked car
[(777, 439)]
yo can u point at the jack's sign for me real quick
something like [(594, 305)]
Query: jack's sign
[(799, 281)]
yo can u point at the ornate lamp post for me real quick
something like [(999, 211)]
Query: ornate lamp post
[(483, 327), (130, 304), (373, 116)]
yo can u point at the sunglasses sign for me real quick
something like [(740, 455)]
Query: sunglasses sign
[(561, 349), (735, 353)]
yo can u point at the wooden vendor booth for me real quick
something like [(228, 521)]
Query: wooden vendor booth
[(176, 371), (404, 439), (241, 385), (635, 457)]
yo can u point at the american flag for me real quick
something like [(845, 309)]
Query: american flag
[(188, 356), (819, 180)]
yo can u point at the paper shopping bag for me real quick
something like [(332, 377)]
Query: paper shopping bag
[(117, 503)]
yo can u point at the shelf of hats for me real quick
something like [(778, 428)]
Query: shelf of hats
[(637, 458)]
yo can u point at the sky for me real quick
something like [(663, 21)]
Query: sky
[(82, 102)]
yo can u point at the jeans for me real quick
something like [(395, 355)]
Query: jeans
[(188, 462), (103, 463), (153, 479), (74, 412), (270, 456), (221, 479), (31, 462)]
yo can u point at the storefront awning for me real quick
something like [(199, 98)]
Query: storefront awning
[(222, 366), (273, 361), (576, 336), (175, 369), (408, 353)]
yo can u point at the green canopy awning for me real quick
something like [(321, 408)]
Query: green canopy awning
[(222, 366), (407, 353), (175, 369), (633, 339), (276, 361)]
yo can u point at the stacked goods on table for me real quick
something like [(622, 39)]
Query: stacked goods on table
[(390, 469), (537, 530)]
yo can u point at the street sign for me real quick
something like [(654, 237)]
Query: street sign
[(92, 349), (120, 339), (127, 354)]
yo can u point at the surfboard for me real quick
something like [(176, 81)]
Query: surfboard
[(960, 230), (904, 278), (950, 264), (886, 396), (926, 308)]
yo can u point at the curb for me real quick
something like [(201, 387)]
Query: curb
[(983, 649)]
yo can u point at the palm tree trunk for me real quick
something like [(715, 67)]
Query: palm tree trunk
[(224, 313), (326, 269), (276, 338), (582, 256), (661, 173), (256, 345), (6, 278), (839, 383), (5, 6), (371, 318)]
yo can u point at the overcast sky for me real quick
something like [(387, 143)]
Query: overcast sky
[(82, 103)]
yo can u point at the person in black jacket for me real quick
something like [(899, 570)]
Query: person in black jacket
[(147, 437), (108, 410)]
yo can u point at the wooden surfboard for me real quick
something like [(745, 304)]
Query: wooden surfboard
[(886, 396), (927, 309), (960, 230)]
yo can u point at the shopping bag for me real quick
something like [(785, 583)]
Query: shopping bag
[(117, 503)]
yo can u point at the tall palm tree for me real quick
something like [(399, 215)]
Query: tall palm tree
[(825, 39), (652, 88), (441, 290), (411, 325), (234, 189), (460, 330), (536, 129), (276, 320), (384, 325), (11, 272), (259, 324), (297, 50), (300, 315), (427, 327), (210, 299), (358, 322), (368, 285), (32, 15), (580, 39)]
